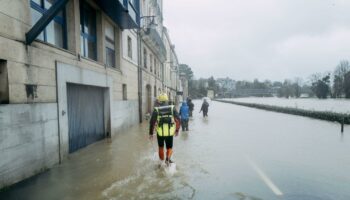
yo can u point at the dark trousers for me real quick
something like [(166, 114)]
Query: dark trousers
[(205, 113), (168, 140), (184, 124), (191, 113)]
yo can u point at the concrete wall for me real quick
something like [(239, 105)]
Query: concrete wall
[(125, 115), (29, 140)]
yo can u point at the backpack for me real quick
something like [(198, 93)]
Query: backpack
[(165, 120)]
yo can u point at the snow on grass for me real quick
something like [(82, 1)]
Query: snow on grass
[(330, 105)]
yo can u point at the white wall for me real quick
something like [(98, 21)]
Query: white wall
[(133, 36), (125, 115), (29, 140)]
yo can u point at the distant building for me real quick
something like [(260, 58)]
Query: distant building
[(184, 84), (153, 54), (210, 94), (206, 84), (171, 70)]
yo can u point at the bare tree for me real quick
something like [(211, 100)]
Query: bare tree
[(321, 86), (339, 78), (347, 85), (297, 86), (342, 68)]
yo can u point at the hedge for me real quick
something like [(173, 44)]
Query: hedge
[(323, 115)]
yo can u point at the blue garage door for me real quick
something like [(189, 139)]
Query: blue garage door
[(85, 115)]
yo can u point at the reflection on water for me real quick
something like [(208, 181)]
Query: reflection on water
[(184, 135), (205, 120)]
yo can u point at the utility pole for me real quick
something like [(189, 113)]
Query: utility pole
[(139, 74)]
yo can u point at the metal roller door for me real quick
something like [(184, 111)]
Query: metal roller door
[(85, 115)]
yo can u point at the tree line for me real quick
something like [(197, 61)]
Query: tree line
[(334, 84)]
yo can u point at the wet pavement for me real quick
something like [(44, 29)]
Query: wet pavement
[(236, 153)]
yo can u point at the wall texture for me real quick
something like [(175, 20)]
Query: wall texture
[(125, 115), (29, 140)]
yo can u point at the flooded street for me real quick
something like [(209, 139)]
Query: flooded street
[(236, 153)]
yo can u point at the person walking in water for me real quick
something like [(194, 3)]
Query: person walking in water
[(165, 119), (204, 108), (184, 115), (190, 106)]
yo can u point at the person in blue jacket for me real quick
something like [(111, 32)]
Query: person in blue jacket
[(184, 115)]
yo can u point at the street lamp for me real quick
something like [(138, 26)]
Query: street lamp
[(152, 24)]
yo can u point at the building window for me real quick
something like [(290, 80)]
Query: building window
[(150, 60), (88, 31), (125, 92), (55, 31), (155, 66), (145, 58), (4, 84), (110, 45), (155, 91), (161, 71), (129, 47)]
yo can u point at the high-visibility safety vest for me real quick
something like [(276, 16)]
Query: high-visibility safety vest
[(165, 120)]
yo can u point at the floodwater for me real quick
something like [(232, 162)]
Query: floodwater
[(236, 153), (328, 105)]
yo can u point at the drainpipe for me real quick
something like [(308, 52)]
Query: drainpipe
[(139, 74)]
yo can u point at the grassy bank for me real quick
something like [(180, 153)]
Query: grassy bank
[(328, 116)]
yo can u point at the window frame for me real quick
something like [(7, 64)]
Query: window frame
[(155, 66), (58, 19), (151, 62), (155, 91), (109, 50), (145, 58), (124, 92), (89, 37), (129, 46)]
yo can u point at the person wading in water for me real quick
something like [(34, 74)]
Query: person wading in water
[(184, 115), (204, 108), (165, 119), (190, 105)]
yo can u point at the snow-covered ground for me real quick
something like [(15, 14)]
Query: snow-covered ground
[(334, 105)]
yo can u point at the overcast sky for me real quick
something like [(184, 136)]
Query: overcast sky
[(264, 39)]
